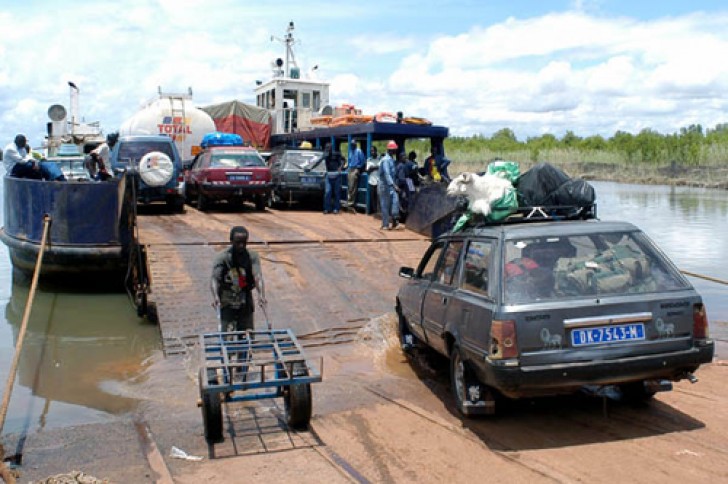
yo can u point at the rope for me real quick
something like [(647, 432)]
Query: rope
[(23, 327), (707, 278)]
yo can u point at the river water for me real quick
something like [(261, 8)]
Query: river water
[(82, 347)]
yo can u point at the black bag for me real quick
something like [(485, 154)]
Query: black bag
[(546, 185)]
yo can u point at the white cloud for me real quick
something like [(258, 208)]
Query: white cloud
[(592, 74)]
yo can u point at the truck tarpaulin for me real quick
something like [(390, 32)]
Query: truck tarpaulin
[(250, 122)]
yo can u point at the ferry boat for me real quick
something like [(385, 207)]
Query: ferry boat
[(90, 222), (301, 111)]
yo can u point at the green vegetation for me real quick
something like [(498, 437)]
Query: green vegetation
[(692, 156)]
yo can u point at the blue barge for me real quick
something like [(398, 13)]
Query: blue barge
[(90, 231)]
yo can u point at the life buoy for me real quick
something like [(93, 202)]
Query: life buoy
[(385, 118), (419, 121), (322, 120), (156, 169)]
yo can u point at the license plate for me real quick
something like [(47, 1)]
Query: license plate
[(607, 334), (239, 177), (309, 179)]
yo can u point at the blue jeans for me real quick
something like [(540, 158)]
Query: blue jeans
[(332, 189), (388, 203), (47, 171)]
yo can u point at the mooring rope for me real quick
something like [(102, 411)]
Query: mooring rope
[(6, 475), (707, 278)]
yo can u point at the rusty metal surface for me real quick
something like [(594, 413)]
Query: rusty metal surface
[(321, 271)]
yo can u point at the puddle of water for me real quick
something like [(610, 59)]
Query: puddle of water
[(77, 345)]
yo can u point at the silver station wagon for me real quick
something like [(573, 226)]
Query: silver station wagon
[(544, 307)]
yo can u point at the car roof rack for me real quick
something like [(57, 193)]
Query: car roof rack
[(541, 213)]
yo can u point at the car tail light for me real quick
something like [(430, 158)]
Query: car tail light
[(700, 321), (503, 342), (180, 178)]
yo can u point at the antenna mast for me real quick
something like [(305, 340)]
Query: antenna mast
[(288, 40)]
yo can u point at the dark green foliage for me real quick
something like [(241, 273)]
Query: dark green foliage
[(688, 146)]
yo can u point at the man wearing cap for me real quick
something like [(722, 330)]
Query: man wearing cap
[(20, 163), (356, 165), (387, 189), (235, 273)]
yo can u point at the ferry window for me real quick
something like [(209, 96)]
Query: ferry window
[(316, 100), (477, 265), (306, 100)]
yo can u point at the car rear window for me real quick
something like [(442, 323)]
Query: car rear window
[(614, 263), (237, 160), (135, 150), (303, 160)]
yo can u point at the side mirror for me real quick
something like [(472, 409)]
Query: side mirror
[(406, 272)]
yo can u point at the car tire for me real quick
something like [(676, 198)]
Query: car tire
[(260, 202), (461, 379), (407, 340), (176, 204), (202, 202), (635, 392), (156, 169)]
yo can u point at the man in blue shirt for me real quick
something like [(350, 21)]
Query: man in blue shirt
[(356, 166), (387, 189)]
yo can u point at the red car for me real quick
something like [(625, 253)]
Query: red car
[(232, 173)]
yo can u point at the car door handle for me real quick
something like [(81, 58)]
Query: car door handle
[(444, 300)]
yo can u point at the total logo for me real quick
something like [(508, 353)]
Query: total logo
[(176, 127)]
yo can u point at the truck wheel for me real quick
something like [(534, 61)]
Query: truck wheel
[(202, 203), (297, 400), (211, 414)]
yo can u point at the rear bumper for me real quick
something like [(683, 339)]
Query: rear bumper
[(516, 381), (301, 190), (230, 191)]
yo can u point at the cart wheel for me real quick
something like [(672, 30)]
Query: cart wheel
[(297, 399), (211, 415)]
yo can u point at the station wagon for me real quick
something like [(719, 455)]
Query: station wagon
[(545, 308)]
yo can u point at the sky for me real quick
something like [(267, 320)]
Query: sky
[(476, 66)]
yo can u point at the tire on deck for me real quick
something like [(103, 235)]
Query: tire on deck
[(211, 413), (297, 399)]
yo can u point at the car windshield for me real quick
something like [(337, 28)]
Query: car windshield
[(236, 160), (134, 151), (302, 160), (615, 263)]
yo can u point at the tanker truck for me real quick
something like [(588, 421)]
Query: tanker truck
[(172, 115)]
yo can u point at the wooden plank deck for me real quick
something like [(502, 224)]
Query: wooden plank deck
[(321, 271)]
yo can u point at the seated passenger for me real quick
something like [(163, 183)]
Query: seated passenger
[(19, 163)]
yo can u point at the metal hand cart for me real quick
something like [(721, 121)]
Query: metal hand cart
[(253, 365)]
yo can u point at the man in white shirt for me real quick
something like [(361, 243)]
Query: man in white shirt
[(20, 163)]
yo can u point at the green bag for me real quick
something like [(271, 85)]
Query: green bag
[(499, 210), (506, 169), (503, 207)]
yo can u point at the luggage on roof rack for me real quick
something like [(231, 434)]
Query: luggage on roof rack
[(544, 184), (542, 213), (221, 139)]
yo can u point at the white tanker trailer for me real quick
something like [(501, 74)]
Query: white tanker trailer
[(172, 115)]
